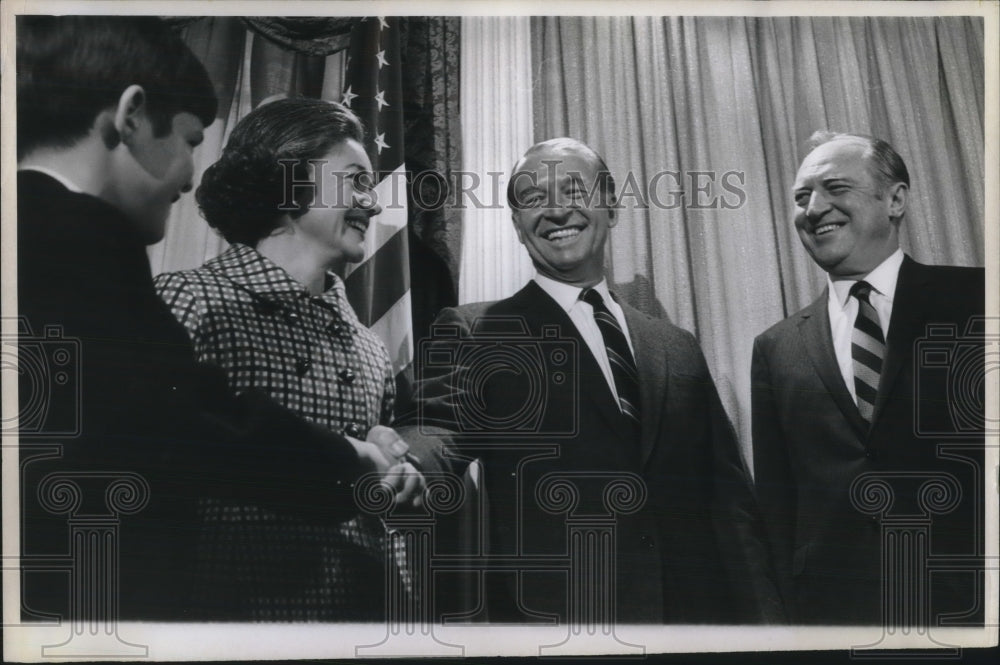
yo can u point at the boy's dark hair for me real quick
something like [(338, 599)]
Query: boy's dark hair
[(70, 68)]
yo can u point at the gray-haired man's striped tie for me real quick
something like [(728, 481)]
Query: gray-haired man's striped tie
[(867, 350), (619, 355)]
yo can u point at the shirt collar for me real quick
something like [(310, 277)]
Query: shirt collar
[(567, 295), (55, 175), (882, 279)]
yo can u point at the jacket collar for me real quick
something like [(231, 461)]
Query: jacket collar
[(653, 366), (814, 325), (908, 310), (247, 268)]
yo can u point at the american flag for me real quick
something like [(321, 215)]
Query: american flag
[(379, 286)]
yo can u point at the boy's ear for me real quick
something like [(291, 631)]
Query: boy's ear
[(130, 112)]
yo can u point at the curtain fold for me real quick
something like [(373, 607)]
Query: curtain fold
[(220, 43), (675, 104), (432, 131), (496, 129), (441, 101)]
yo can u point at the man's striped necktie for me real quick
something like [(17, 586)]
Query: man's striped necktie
[(867, 350), (623, 367)]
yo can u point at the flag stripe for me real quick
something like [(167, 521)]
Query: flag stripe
[(390, 265), (395, 325), (390, 193)]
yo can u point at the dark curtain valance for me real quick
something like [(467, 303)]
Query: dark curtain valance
[(309, 35), (178, 23)]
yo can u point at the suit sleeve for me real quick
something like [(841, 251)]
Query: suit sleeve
[(253, 449), (437, 386), (772, 473), (149, 406), (429, 444), (429, 421)]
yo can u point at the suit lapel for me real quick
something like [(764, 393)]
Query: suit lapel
[(907, 308), (539, 309), (814, 327), (651, 361)]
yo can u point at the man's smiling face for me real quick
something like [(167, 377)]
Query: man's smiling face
[(844, 221), (562, 216)]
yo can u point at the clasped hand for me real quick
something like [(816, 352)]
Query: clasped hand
[(388, 453)]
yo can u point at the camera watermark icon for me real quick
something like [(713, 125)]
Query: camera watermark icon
[(951, 368), (47, 370), (498, 380)]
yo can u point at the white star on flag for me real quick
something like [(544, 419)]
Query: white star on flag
[(382, 62), (348, 97), (380, 98), (380, 142), (382, 23)]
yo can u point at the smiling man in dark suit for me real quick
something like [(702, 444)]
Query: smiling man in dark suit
[(847, 412), (582, 406)]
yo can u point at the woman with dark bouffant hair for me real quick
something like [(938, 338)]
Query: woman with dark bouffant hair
[(292, 193)]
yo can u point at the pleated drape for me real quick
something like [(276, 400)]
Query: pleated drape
[(675, 104), (496, 129)]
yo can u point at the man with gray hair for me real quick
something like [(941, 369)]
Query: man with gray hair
[(847, 412)]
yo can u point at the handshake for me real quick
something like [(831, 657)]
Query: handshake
[(390, 455)]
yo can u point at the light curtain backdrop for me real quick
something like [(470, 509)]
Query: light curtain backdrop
[(679, 94), (496, 130), (720, 94)]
